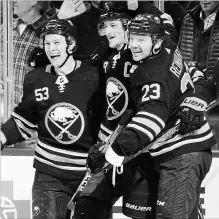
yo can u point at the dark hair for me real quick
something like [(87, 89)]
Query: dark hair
[(42, 6)]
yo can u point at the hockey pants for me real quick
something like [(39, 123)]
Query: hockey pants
[(180, 184), (51, 195)]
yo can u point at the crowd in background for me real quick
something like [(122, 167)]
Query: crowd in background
[(192, 24)]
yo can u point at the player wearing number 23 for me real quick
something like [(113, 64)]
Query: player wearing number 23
[(163, 92)]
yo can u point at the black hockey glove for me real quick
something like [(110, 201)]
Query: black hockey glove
[(191, 114), (37, 58), (96, 157)]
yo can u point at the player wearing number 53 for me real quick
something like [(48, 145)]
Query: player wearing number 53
[(61, 102)]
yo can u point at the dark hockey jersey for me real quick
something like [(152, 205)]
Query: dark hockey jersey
[(159, 85), (65, 111), (115, 65)]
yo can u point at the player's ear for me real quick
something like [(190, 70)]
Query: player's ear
[(158, 44), (71, 47)]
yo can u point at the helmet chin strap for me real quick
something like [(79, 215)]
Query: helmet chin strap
[(66, 58), (153, 50)]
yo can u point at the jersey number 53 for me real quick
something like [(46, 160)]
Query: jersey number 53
[(42, 94)]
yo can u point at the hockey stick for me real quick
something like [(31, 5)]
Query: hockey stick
[(164, 137), (124, 120)]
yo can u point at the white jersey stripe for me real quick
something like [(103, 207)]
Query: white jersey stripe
[(106, 129), (58, 166), (24, 120), (21, 127), (59, 158), (160, 121), (180, 144), (137, 127), (102, 136), (200, 131), (72, 153), (149, 123)]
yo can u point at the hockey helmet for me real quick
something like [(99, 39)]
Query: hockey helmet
[(62, 27), (147, 24), (114, 10)]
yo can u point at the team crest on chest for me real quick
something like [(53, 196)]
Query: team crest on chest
[(65, 122), (117, 98)]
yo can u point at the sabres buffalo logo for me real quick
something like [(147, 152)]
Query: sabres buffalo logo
[(65, 122), (117, 98)]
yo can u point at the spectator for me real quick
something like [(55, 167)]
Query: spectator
[(199, 43), (30, 14), (201, 25)]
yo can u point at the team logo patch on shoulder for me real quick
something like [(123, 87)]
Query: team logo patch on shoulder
[(117, 98), (65, 122)]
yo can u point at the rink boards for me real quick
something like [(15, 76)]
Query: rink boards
[(17, 176)]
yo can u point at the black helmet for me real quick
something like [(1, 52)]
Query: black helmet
[(113, 10), (62, 27), (147, 24)]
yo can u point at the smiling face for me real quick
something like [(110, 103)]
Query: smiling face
[(56, 49), (209, 7), (115, 33), (141, 46)]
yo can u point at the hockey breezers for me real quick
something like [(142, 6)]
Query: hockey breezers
[(123, 122)]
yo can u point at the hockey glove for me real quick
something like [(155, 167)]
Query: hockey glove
[(96, 157), (191, 114)]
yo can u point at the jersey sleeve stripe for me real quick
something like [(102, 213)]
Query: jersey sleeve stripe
[(182, 143), (151, 119), (25, 132), (139, 128), (106, 129), (149, 123), (102, 136), (167, 17), (24, 120), (167, 22), (204, 130), (158, 119)]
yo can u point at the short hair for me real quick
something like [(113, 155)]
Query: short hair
[(42, 6)]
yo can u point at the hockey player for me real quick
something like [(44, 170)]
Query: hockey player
[(162, 91), (116, 66), (61, 102)]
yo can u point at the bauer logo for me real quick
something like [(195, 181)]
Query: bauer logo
[(10, 208)]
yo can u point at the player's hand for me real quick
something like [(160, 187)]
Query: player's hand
[(71, 8), (37, 58), (96, 157), (132, 5), (191, 114)]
